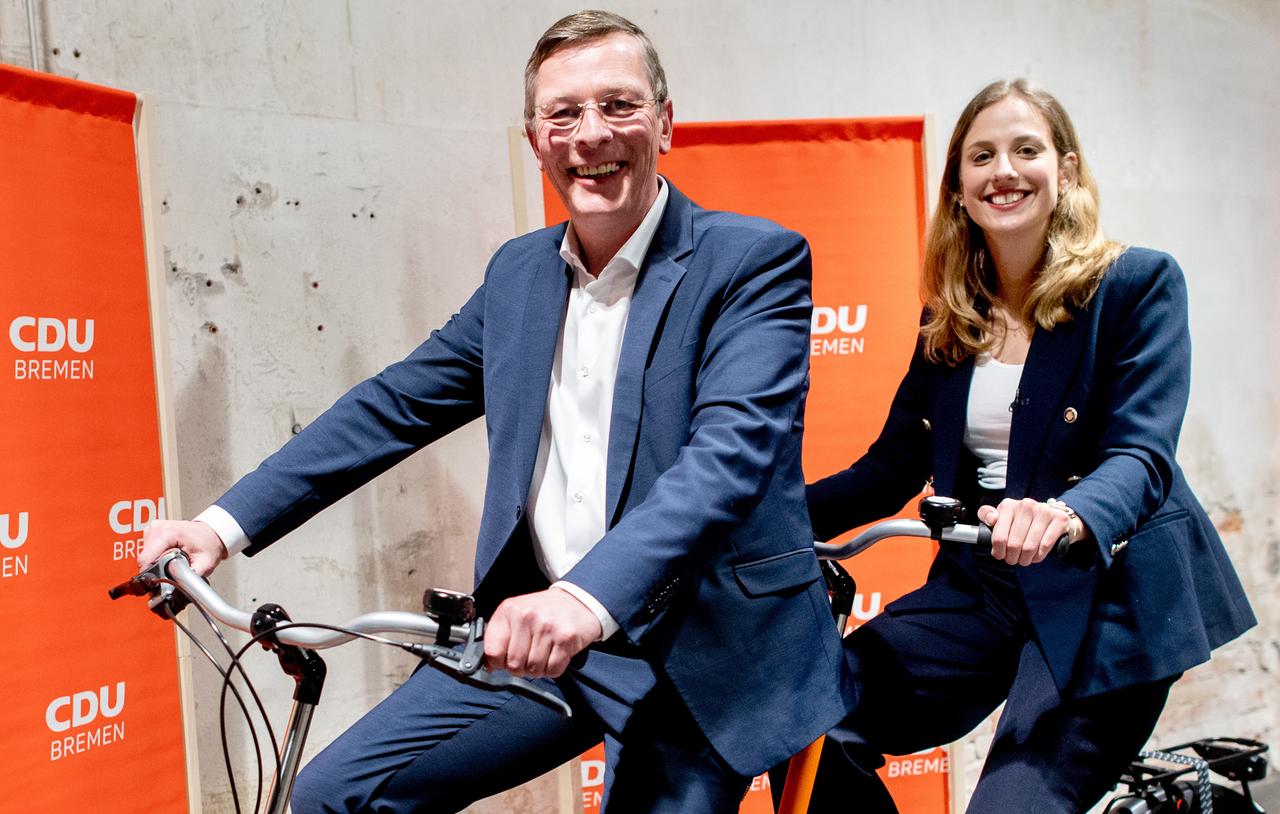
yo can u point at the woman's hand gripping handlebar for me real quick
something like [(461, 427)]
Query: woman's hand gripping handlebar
[(939, 520), (449, 619)]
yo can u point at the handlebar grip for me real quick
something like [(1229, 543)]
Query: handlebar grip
[(1060, 548), (1064, 543), (137, 586)]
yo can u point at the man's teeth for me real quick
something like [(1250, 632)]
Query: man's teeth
[(1004, 198), (603, 169)]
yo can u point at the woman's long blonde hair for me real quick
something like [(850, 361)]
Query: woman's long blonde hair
[(959, 275)]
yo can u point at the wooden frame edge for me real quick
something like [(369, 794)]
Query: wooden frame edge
[(168, 434)]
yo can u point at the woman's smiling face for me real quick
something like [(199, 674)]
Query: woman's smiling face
[(1010, 172)]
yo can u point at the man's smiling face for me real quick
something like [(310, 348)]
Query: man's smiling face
[(605, 173)]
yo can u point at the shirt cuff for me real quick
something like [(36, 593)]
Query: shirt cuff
[(607, 625), (225, 526)]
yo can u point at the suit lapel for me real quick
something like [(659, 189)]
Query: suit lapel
[(1049, 371), (539, 335), (948, 425), (655, 284)]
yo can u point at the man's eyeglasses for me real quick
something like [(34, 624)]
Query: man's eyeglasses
[(566, 116)]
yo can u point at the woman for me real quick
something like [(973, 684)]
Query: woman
[(1047, 389)]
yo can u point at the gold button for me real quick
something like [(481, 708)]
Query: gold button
[(1070, 415), (927, 426), (1073, 479)]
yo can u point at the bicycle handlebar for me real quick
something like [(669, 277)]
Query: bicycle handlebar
[(172, 574), (979, 534), (199, 591)]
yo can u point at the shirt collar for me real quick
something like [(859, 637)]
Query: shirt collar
[(633, 251)]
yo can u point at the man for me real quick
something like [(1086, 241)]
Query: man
[(642, 374)]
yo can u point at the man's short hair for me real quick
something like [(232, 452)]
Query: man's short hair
[(579, 29)]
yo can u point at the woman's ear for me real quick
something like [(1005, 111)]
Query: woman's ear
[(1067, 170)]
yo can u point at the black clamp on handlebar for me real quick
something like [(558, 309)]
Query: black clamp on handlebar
[(304, 666), (264, 622)]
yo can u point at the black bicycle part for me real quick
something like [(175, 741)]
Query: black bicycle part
[(448, 608), (304, 666), (841, 589), (166, 600), (940, 513), (1156, 788)]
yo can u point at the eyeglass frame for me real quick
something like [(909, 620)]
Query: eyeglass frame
[(582, 108)]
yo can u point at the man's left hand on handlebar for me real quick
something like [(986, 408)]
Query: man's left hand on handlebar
[(535, 635), (1024, 531), (198, 540)]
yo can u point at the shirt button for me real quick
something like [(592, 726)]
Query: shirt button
[(586, 437), (577, 497), (592, 309), (584, 372)]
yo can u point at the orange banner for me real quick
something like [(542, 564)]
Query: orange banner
[(856, 189), (91, 714)]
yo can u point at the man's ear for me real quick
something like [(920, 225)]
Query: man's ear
[(532, 138), (665, 127)]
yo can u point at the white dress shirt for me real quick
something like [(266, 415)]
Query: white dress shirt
[(567, 493)]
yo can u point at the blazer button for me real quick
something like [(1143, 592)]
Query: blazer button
[(1118, 546), (1073, 479), (1070, 415), (927, 426)]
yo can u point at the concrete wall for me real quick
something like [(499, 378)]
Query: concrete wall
[(332, 177)]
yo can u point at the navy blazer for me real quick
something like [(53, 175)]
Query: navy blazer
[(1100, 405), (707, 564)]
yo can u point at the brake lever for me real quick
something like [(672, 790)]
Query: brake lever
[(165, 601), (468, 665), (525, 688)]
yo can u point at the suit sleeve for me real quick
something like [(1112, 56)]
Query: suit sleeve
[(433, 391), (749, 399), (1146, 384), (892, 471)]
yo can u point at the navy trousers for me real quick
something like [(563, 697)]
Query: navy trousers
[(937, 662), (438, 745)]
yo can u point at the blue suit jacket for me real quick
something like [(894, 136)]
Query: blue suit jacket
[(1102, 399), (707, 564)]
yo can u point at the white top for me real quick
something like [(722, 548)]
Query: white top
[(992, 393), (567, 493)]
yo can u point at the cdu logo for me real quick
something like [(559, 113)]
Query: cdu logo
[(834, 331), (49, 335), (144, 511), (129, 518), (827, 320), (13, 535), (82, 708), (10, 538)]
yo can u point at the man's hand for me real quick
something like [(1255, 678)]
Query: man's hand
[(200, 543), (535, 635), (1023, 531)]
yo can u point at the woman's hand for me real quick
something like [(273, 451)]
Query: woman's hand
[(1024, 531)]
